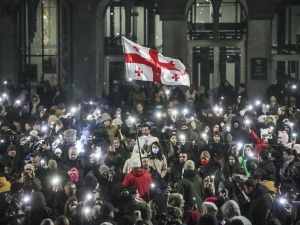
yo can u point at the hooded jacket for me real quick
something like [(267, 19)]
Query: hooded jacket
[(245, 160), (140, 179), (231, 209)]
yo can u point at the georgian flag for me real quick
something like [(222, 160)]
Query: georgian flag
[(149, 65)]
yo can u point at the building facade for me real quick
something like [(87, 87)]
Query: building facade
[(77, 43)]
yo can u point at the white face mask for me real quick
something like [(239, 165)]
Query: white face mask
[(155, 150), (72, 208)]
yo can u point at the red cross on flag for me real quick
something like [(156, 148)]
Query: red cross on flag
[(149, 65)]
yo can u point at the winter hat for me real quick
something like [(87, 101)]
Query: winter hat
[(283, 137), (33, 133), (209, 207), (73, 174), (91, 181), (11, 147), (174, 199), (105, 116), (217, 133), (107, 207), (231, 209), (208, 219), (52, 164), (29, 166), (289, 124), (264, 132), (218, 201), (103, 169), (47, 222), (57, 150), (52, 119), (4, 185), (262, 118), (61, 106), (189, 165), (192, 217), (175, 213), (117, 122), (135, 162)]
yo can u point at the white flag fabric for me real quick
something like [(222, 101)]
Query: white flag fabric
[(149, 65)]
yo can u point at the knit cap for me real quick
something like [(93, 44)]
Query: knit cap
[(189, 165), (73, 174)]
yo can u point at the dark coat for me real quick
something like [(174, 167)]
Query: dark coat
[(267, 170), (260, 203), (191, 187)]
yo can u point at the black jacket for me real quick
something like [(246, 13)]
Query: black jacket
[(267, 170), (260, 203)]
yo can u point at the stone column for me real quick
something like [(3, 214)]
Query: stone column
[(84, 52), (172, 13), (8, 40), (259, 42)]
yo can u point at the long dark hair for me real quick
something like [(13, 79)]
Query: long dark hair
[(159, 155), (228, 170)]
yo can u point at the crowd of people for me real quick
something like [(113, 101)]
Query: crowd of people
[(148, 154)]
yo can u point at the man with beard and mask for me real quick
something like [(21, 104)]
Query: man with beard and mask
[(73, 160), (140, 179), (58, 198), (109, 185)]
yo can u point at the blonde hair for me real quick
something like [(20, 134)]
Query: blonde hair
[(205, 154)]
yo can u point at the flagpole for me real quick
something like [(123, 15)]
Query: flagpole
[(138, 143)]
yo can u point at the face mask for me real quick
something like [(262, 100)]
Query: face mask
[(72, 208), (155, 150), (204, 161), (74, 177)]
